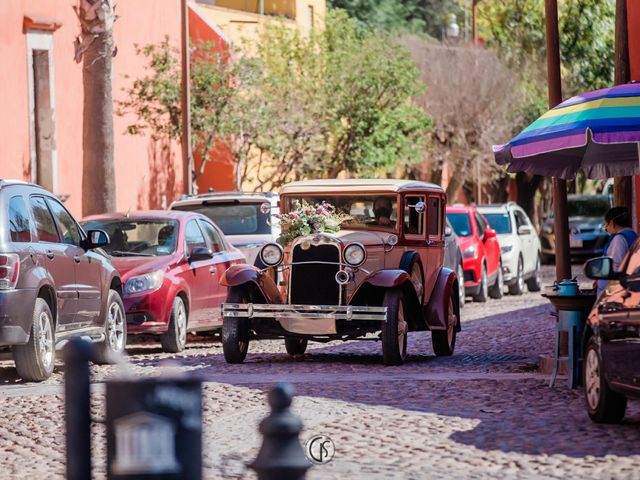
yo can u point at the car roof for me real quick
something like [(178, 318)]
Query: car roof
[(358, 185), (213, 197), (496, 207), (6, 182), (139, 214)]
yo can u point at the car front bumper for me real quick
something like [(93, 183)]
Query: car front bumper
[(305, 319), (16, 315), (590, 245), (147, 313)]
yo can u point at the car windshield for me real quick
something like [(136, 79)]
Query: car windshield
[(500, 222), (367, 212), (595, 206), (138, 237), (460, 223), (234, 218)]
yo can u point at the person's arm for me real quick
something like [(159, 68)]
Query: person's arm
[(617, 250)]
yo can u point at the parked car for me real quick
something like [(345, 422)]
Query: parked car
[(453, 258), (170, 263), (55, 282), (246, 219), (519, 245), (381, 273), (611, 341), (586, 228), (483, 276)]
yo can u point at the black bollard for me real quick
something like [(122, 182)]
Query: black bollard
[(77, 408), (281, 456)]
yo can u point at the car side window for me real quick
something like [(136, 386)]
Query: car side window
[(194, 237), (66, 224), (45, 224), (217, 245), (480, 224), (434, 213), (19, 223), (521, 220), (413, 221)]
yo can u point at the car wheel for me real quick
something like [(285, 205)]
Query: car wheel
[(394, 330), (236, 331), (35, 360), (534, 284), (603, 404), (461, 290), (518, 287), (115, 331), (175, 338), (295, 346), (444, 341), (483, 289), (497, 289)]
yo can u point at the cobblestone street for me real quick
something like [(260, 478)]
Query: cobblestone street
[(483, 413)]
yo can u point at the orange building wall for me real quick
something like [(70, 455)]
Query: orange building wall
[(147, 175), (219, 172)]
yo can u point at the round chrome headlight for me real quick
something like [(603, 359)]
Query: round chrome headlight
[(271, 254), (355, 254)]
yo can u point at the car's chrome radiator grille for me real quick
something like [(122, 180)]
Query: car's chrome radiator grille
[(314, 283)]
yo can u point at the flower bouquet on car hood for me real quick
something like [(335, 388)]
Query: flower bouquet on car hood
[(306, 219)]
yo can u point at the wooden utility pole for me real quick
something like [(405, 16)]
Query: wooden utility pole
[(560, 213), (622, 186), (185, 102)]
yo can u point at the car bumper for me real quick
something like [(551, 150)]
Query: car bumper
[(472, 272), (509, 267), (147, 313), (16, 315), (590, 245)]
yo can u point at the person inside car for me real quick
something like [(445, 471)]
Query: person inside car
[(382, 210), (616, 223)]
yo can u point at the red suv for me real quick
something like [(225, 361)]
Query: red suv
[(480, 253), (170, 263)]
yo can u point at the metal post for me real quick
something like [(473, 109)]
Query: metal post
[(561, 221), (185, 105), (77, 354)]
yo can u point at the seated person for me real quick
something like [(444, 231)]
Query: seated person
[(166, 237), (118, 241), (382, 210)]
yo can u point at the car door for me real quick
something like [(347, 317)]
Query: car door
[(88, 268), (199, 276), (219, 264), (58, 260)]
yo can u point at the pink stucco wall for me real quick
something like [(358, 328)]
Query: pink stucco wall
[(147, 175)]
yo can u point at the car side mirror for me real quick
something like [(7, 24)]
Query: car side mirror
[(490, 233), (448, 231), (601, 268), (200, 253), (524, 230), (96, 239)]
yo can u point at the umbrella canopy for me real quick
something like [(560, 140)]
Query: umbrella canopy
[(597, 132)]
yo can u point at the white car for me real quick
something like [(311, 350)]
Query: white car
[(246, 219), (519, 244)]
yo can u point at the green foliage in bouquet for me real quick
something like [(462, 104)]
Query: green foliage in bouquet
[(306, 219)]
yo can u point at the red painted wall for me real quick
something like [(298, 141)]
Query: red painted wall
[(147, 174), (633, 26)]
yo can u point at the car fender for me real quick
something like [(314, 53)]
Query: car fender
[(242, 274), (436, 311)]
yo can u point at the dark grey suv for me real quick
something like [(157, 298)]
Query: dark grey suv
[(54, 284)]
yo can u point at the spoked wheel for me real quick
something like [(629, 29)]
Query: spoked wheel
[(444, 341), (35, 360), (461, 290), (175, 338), (534, 284), (603, 404), (518, 287), (236, 331), (295, 346), (394, 330), (115, 330)]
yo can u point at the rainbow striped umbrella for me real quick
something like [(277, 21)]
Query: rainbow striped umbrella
[(597, 132)]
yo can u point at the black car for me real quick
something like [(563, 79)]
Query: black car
[(587, 233), (453, 257), (611, 371), (55, 282)]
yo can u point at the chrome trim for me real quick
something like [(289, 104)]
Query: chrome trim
[(271, 265), (278, 311), (364, 251)]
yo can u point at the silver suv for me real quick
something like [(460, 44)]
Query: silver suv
[(246, 219), (55, 282)]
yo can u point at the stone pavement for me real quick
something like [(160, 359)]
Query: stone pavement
[(483, 413)]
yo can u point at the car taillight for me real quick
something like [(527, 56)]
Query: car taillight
[(9, 270)]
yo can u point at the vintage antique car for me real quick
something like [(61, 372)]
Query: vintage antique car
[(380, 273)]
